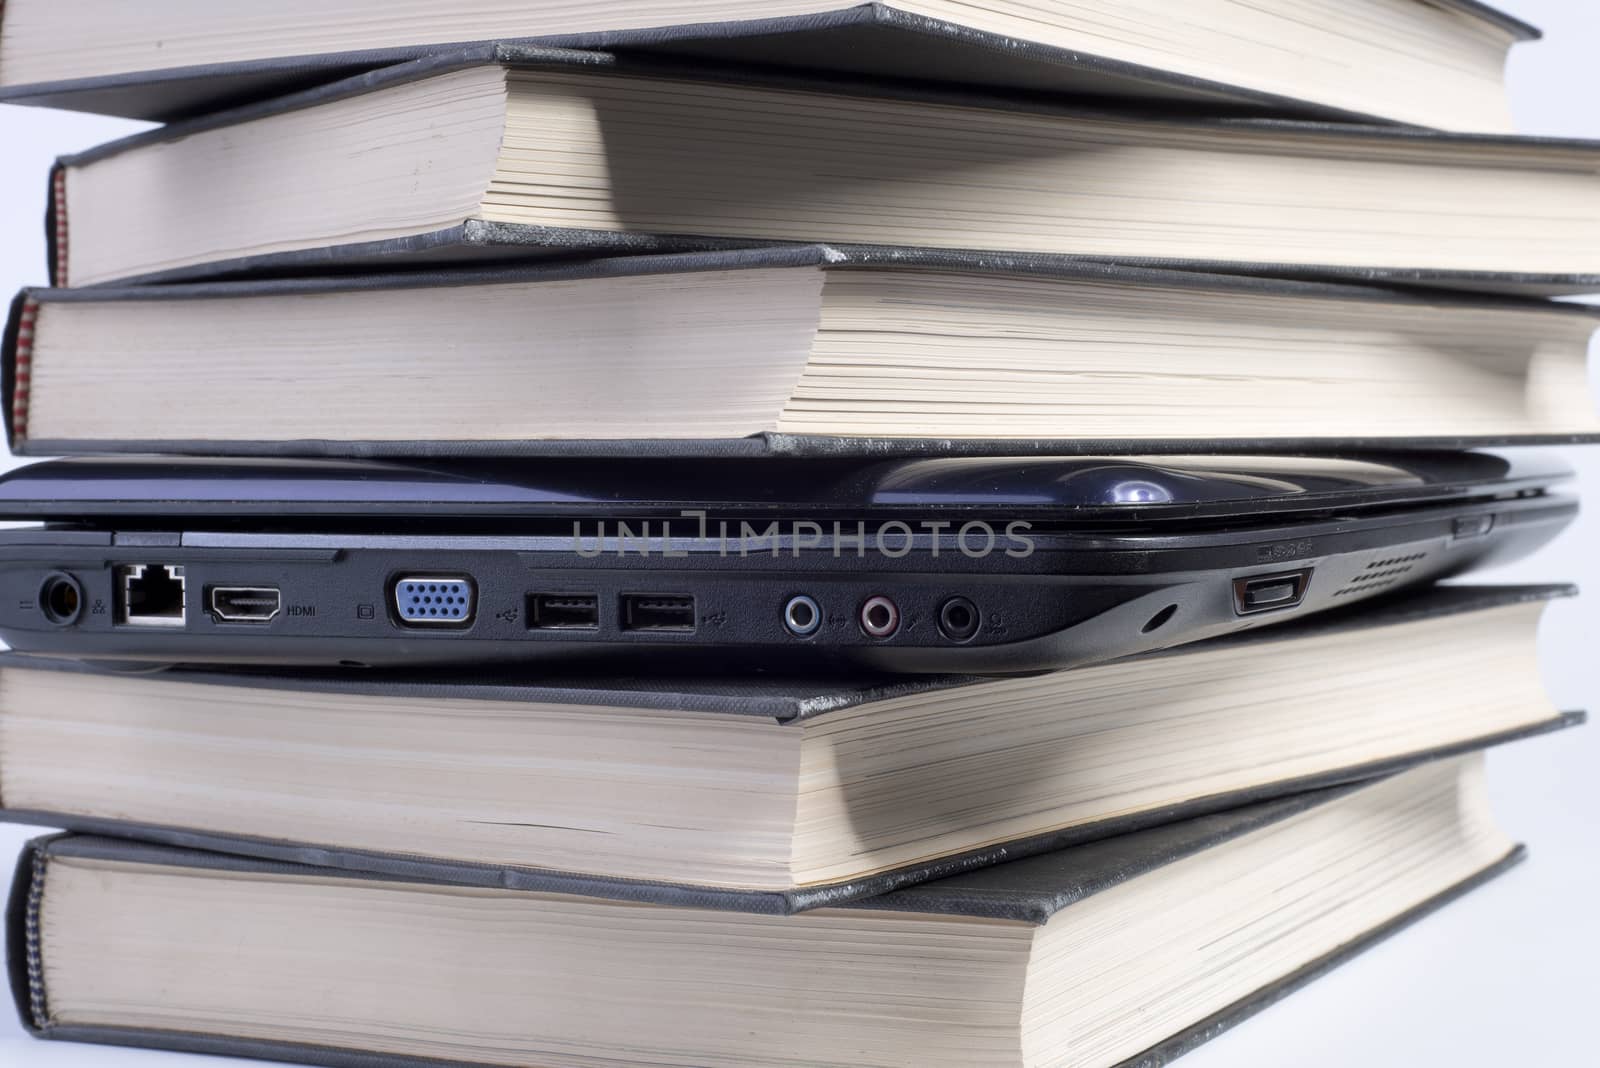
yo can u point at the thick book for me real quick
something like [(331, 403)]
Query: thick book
[(759, 795), (807, 349), (505, 151), (1434, 63), (1126, 952)]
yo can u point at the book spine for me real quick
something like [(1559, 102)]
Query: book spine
[(56, 229), (24, 957), (16, 368), (33, 945)]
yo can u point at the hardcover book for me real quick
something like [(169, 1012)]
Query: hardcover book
[(1428, 62), (1125, 952), (869, 350), (504, 151), (759, 794)]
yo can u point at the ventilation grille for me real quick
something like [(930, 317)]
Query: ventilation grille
[(1381, 574)]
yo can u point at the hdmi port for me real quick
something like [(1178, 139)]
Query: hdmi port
[(657, 612), (243, 604)]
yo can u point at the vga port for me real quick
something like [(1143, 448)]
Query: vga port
[(435, 600)]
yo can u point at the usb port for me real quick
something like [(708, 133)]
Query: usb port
[(563, 611), (657, 612), (1270, 593)]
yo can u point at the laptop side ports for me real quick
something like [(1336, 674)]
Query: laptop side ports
[(150, 595), (563, 611), (879, 617), (61, 599), (1270, 593), (659, 613), (802, 616), (959, 619), (243, 604), (435, 601)]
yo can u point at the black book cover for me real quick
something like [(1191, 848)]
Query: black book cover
[(16, 343), (477, 240), (786, 701), (870, 39), (1029, 891)]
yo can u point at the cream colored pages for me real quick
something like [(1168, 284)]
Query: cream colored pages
[(1116, 739), (699, 355), (412, 159), (671, 796), (527, 979), (1225, 923), (734, 353), (934, 355), (671, 157), (743, 802), (498, 977)]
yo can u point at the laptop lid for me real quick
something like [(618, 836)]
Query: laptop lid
[(173, 491)]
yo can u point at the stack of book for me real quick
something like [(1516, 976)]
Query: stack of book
[(828, 234)]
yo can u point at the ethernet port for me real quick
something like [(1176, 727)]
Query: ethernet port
[(150, 595)]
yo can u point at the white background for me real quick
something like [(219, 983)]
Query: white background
[(1510, 975)]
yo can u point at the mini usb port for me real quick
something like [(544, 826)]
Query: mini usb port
[(658, 612), (563, 611), (1270, 593)]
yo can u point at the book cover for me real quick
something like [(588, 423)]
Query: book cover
[(476, 240), (1031, 892), (18, 341), (791, 703), (872, 39)]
